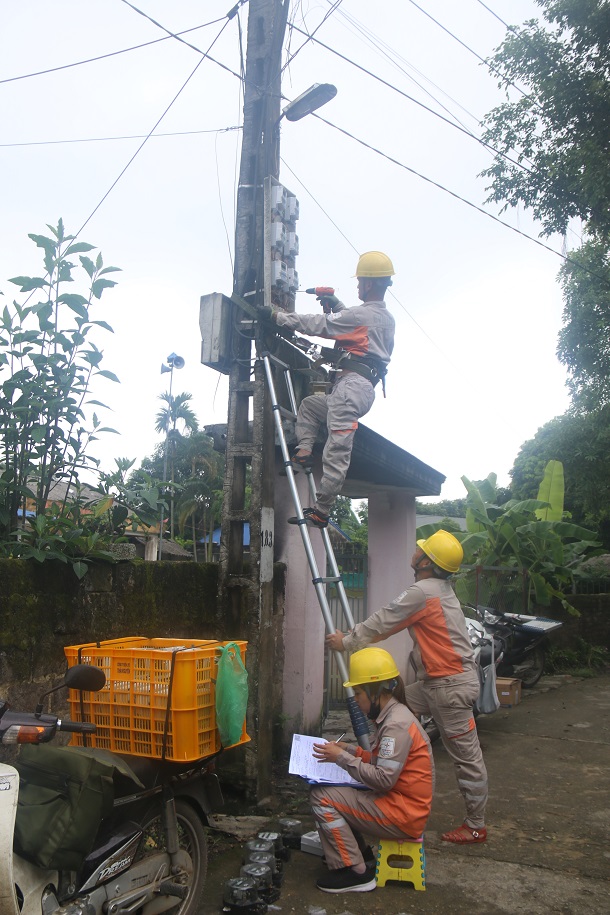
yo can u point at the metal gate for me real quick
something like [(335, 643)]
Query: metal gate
[(354, 572)]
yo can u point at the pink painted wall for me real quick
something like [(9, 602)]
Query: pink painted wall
[(391, 546), (304, 627)]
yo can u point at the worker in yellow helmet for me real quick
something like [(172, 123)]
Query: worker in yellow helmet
[(447, 682), (398, 770), (364, 340)]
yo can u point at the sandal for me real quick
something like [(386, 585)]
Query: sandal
[(311, 516), (465, 835)]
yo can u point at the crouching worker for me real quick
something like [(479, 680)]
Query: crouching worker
[(399, 770)]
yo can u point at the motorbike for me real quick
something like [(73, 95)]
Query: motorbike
[(149, 853), (524, 641)]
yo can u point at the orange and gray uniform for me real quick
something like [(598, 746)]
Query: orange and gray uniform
[(367, 332), (400, 771), (447, 680)]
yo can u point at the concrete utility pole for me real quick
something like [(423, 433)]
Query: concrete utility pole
[(246, 592)]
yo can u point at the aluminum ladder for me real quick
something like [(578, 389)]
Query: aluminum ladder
[(359, 722)]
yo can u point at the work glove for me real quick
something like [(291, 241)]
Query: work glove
[(265, 313), (329, 303)]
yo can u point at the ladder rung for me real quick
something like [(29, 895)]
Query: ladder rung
[(330, 579)]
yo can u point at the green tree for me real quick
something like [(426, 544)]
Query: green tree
[(354, 523), (177, 412), (48, 360), (581, 441), (449, 508), (176, 415), (584, 341), (198, 472), (515, 536), (554, 138)]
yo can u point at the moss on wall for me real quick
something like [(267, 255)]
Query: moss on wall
[(44, 607)]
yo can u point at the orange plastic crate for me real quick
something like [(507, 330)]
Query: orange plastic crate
[(131, 711)]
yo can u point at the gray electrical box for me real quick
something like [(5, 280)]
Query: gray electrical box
[(214, 324)]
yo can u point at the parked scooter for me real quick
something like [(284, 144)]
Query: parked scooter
[(149, 854), (524, 641)]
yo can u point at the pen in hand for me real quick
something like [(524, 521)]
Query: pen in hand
[(341, 738)]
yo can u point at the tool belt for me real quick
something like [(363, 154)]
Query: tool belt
[(374, 370)]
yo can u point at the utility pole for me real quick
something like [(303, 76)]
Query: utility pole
[(246, 591)]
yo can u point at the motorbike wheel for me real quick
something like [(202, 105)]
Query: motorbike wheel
[(430, 727), (532, 667), (192, 839)]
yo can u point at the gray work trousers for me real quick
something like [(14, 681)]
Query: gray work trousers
[(451, 707), (338, 811), (351, 397)]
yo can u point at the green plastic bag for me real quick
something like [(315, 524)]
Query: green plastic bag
[(231, 694)]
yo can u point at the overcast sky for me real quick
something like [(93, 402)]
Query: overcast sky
[(477, 305)]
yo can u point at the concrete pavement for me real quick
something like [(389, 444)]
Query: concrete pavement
[(548, 850)]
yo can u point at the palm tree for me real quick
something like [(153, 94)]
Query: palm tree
[(202, 490), (177, 410)]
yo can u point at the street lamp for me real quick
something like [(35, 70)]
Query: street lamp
[(172, 362), (314, 97)]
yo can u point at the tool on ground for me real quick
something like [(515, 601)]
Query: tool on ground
[(359, 722)]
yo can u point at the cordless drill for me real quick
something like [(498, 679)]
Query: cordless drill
[(321, 292)]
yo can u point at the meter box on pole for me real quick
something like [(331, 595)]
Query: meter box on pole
[(215, 324), (281, 245)]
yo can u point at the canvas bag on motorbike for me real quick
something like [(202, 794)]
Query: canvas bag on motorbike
[(63, 795), (231, 694), (487, 702)]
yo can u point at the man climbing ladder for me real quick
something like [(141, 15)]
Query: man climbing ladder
[(364, 340)]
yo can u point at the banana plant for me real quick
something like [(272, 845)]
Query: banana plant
[(529, 535)]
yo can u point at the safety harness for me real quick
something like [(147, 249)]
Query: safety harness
[(374, 370)]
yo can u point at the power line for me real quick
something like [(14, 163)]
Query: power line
[(140, 147), (318, 204), (467, 47), (135, 136), (350, 243), (335, 5), (392, 56), (499, 18), (90, 60), (464, 130), (441, 187), (176, 35)]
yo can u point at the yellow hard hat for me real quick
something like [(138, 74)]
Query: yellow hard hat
[(371, 665), (444, 550), (374, 264)]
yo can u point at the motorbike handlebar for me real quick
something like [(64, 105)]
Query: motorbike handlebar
[(77, 727)]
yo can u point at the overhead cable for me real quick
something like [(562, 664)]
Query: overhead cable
[(135, 136), (340, 231), (90, 60), (394, 57), (144, 141), (410, 98), (335, 5), (176, 35), (468, 48), (441, 187)]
